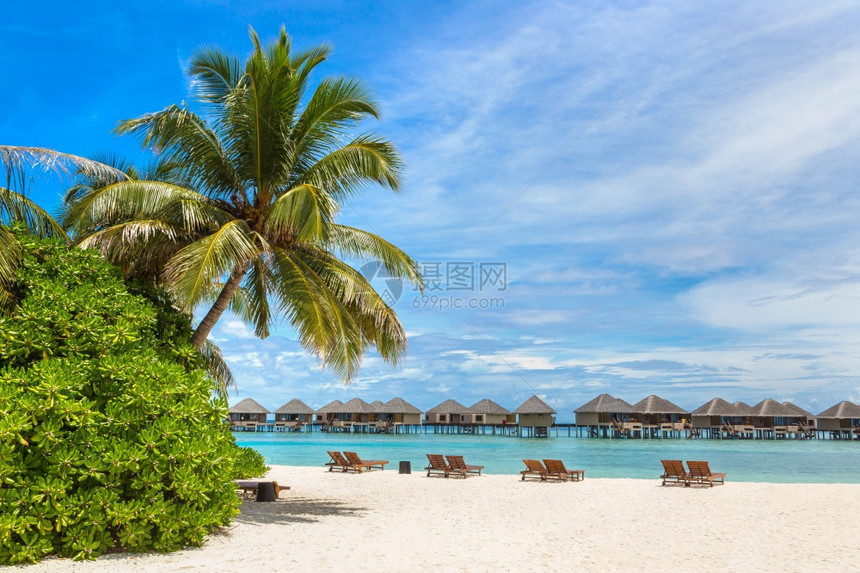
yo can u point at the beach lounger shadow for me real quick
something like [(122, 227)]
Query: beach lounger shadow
[(700, 472), (556, 468)]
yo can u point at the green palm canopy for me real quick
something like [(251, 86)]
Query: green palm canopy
[(246, 218)]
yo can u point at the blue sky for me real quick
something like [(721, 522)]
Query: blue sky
[(669, 187)]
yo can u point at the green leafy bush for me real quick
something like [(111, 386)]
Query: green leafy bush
[(110, 435), (249, 463)]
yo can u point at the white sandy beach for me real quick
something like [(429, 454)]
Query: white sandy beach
[(334, 521)]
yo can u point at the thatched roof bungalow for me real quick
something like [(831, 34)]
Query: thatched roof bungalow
[(841, 417), (400, 412), (448, 412), (769, 413), (357, 411), (248, 413), (714, 413), (488, 413), (294, 411), (535, 417), (329, 412), (654, 411), (602, 410)]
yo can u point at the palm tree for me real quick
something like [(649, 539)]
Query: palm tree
[(246, 219)]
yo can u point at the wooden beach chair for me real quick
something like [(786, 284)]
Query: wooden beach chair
[(534, 468), (360, 464), (673, 472), (438, 465), (556, 468), (701, 473), (338, 461), (456, 464)]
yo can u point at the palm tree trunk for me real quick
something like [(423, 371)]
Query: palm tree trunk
[(221, 303)]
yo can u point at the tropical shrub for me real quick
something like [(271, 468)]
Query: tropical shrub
[(248, 463), (111, 437)]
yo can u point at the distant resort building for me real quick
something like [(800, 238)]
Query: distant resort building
[(293, 415), (658, 416), (397, 412), (841, 421), (248, 415), (709, 418), (328, 413), (534, 418), (602, 417), (488, 413), (448, 413)]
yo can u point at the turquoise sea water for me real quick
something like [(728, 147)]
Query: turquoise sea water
[(783, 461)]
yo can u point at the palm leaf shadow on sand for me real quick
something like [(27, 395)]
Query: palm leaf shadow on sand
[(294, 510)]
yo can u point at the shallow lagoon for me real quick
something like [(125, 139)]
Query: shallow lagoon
[(782, 461)]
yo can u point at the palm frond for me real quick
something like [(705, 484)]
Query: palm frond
[(303, 213), (215, 74), (365, 160), (128, 200), (365, 246), (324, 324), (377, 321), (191, 145), (191, 273), (10, 254), (16, 207), (16, 158), (337, 103), (217, 368)]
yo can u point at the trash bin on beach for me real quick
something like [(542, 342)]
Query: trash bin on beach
[(406, 467), (266, 491)]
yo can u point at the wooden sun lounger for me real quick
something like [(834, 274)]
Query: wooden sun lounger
[(701, 473), (534, 468), (249, 487), (437, 465), (340, 462), (674, 472), (457, 465), (360, 464), (556, 468)]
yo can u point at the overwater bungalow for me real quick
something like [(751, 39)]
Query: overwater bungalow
[(328, 414), (488, 413), (842, 420), (803, 419), (248, 415), (448, 416), (604, 416), (742, 424), (714, 418), (658, 416), (293, 415), (774, 420), (355, 415), (398, 415), (535, 418)]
